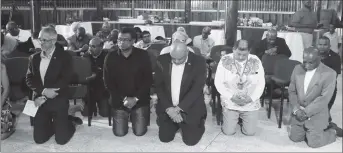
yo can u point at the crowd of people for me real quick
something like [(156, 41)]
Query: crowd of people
[(123, 75)]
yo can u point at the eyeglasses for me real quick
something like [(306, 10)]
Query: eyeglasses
[(44, 40), (123, 40)]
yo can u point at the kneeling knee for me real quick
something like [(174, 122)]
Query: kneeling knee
[(314, 144), (248, 133), (295, 139), (40, 141), (165, 139), (119, 134), (61, 142), (139, 132), (190, 143), (228, 132)]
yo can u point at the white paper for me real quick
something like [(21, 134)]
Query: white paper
[(30, 108)]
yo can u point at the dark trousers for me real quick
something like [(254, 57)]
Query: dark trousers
[(97, 101), (139, 118), (191, 134), (52, 118), (332, 101)]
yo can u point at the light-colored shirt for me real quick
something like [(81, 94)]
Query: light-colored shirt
[(228, 76), (205, 46), (308, 78), (142, 45), (176, 78), (44, 63), (10, 44), (23, 35), (334, 41), (167, 49)]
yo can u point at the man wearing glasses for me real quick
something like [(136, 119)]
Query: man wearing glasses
[(128, 78), (240, 81), (49, 73), (145, 42)]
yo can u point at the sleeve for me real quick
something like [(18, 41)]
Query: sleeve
[(32, 80), (221, 81), (260, 83), (292, 91), (258, 49), (163, 97), (197, 87), (284, 49), (323, 100), (146, 77), (296, 19)]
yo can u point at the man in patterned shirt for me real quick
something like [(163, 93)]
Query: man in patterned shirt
[(240, 81)]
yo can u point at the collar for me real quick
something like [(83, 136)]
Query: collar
[(43, 55), (98, 55)]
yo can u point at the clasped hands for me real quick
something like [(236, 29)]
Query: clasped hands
[(130, 102), (47, 93), (271, 51), (241, 100), (175, 114), (300, 115)]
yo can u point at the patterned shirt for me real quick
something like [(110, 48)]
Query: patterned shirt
[(249, 74)]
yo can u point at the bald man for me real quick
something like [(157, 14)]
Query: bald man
[(98, 93), (179, 80), (311, 88), (271, 45), (204, 43), (15, 32), (79, 41)]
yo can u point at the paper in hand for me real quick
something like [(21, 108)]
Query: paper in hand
[(30, 108)]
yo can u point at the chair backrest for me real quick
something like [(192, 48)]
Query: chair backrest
[(268, 62), (284, 68), (216, 51), (82, 69), (196, 50), (16, 70), (153, 54), (71, 53)]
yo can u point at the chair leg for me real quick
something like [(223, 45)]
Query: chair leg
[(90, 110), (281, 106), (109, 114), (74, 101), (213, 106), (270, 100), (218, 110)]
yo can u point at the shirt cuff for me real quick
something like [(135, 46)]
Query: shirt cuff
[(43, 92)]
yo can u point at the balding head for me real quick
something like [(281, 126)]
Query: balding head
[(311, 58), (74, 26), (179, 53), (95, 46), (206, 32), (12, 28), (271, 36)]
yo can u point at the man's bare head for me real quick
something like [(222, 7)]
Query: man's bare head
[(178, 53), (311, 58), (271, 36), (12, 28)]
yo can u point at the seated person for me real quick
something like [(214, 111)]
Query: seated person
[(178, 37), (335, 40), (204, 42), (8, 119), (111, 42), (311, 88), (106, 29), (240, 81), (15, 32), (145, 42), (79, 41), (8, 44), (271, 45)]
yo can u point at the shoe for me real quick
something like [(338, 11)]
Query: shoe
[(75, 120), (336, 128)]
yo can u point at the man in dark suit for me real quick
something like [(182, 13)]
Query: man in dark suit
[(48, 75), (271, 45), (179, 79), (311, 88)]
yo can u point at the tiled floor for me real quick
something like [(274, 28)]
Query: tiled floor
[(99, 137)]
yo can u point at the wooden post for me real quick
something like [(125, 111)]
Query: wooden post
[(133, 12), (35, 6), (188, 11), (54, 16), (319, 8), (231, 22)]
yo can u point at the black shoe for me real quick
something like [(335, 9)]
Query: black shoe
[(335, 127), (75, 120), (240, 122)]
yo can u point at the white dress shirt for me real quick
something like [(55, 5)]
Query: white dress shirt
[(44, 63), (205, 46), (308, 78), (23, 35), (167, 49), (176, 78), (226, 80), (334, 41)]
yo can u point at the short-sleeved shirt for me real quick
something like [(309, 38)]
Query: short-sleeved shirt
[(205, 46), (305, 17)]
